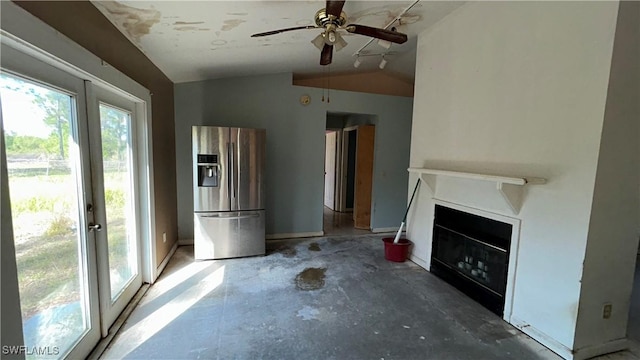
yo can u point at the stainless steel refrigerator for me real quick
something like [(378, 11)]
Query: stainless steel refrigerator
[(228, 192)]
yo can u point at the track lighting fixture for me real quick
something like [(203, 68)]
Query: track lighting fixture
[(357, 62), (383, 63), (361, 57)]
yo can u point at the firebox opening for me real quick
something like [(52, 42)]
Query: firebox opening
[(471, 252)]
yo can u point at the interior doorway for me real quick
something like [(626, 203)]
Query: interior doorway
[(348, 175)]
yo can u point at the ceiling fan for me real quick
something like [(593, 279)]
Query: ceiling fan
[(332, 19)]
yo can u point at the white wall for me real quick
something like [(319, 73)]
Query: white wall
[(519, 88), (612, 243)]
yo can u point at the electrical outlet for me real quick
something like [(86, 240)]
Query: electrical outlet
[(606, 310), (164, 237)]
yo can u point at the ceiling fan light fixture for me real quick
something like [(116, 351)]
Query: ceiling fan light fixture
[(339, 43), (331, 37), (384, 43), (319, 41)]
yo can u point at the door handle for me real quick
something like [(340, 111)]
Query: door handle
[(232, 217), (94, 227), (233, 168)]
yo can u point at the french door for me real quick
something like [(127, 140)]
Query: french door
[(72, 186), (114, 183)]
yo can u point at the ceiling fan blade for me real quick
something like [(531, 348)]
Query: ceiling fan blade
[(326, 55), (273, 32), (394, 37), (334, 7)]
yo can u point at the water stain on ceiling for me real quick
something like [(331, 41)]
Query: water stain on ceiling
[(188, 22), (388, 12), (231, 24), (219, 42), (135, 22), (190, 28)]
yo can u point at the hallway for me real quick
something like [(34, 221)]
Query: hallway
[(337, 223)]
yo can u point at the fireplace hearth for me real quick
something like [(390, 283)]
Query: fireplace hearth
[(471, 252)]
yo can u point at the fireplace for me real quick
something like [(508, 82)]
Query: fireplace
[(471, 252)]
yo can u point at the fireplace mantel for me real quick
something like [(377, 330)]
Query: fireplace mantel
[(511, 188)]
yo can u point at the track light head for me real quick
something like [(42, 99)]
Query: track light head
[(357, 63), (383, 63)]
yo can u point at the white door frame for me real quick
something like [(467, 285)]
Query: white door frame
[(111, 309), (24, 66)]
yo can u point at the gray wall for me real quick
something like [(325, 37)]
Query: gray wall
[(295, 145)]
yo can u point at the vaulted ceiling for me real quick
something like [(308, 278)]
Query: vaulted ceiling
[(196, 40)]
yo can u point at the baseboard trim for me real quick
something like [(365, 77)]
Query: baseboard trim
[(294, 235), (185, 242), (420, 262), (544, 339), (104, 343), (164, 262), (386, 229), (601, 349)]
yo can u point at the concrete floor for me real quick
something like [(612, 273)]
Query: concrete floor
[(322, 298)]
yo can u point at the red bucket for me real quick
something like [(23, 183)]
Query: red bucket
[(396, 252)]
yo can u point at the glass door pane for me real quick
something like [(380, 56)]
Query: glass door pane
[(46, 187), (117, 165), (112, 120)]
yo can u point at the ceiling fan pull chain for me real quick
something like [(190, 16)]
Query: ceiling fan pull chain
[(323, 73), (329, 84)]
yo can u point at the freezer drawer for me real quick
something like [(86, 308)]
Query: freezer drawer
[(220, 235)]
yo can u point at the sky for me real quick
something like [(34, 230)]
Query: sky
[(19, 114)]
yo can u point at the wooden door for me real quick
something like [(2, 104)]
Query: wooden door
[(364, 177)]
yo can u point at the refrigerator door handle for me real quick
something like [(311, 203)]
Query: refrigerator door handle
[(231, 184), (232, 169), (232, 217)]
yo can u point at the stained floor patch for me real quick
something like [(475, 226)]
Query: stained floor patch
[(308, 313), (286, 251), (314, 246), (310, 279)]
